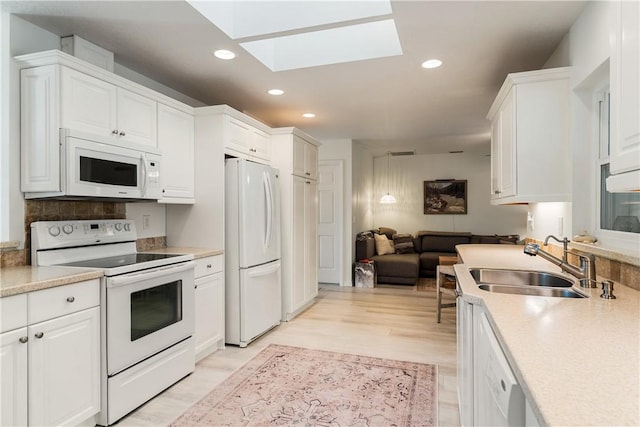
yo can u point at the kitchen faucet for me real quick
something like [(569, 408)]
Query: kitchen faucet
[(586, 272), (565, 244)]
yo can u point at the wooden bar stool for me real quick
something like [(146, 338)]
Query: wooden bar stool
[(445, 282)]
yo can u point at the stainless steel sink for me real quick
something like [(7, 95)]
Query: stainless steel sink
[(519, 278), (525, 282), (533, 290)]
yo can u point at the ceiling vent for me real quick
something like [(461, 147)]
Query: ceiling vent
[(402, 153)]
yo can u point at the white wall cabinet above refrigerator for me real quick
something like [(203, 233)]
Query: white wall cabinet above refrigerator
[(625, 97), (246, 141), (530, 134), (295, 155), (242, 136)]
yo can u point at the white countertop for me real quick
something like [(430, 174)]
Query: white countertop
[(577, 359), (196, 252), (27, 278)]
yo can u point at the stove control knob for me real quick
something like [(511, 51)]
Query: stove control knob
[(54, 230), (118, 226), (127, 227), (67, 228)]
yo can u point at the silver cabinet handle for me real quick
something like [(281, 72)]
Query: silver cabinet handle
[(307, 173), (208, 265), (122, 134), (39, 335), (23, 339), (71, 299), (115, 131)]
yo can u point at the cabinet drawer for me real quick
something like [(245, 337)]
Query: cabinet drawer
[(209, 265), (54, 302), (13, 312)]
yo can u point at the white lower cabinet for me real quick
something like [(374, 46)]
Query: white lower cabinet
[(13, 381), (64, 369), (51, 364), (209, 306), (488, 391)]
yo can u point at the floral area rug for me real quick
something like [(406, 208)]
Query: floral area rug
[(291, 386)]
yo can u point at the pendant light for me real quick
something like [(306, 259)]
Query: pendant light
[(388, 199)]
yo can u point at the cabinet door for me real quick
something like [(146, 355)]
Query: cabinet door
[(311, 239), (311, 161), (260, 145), (64, 369), (87, 104), (13, 381), (175, 139), (299, 243), (507, 129), (625, 87), (39, 115), (237, 135), (298, 165), (209, 314), (137, 118)]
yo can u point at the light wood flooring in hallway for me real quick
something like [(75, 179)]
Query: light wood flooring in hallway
[(394, 322)]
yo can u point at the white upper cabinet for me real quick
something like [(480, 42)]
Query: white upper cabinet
[(61, 91), (176, 140), (305, 158), (530, 134), (95, 106), (245, 140), (625, 97)]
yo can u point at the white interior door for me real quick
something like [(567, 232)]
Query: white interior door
[(330, 214)]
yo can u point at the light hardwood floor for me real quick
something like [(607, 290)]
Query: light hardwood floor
[(394, 322)]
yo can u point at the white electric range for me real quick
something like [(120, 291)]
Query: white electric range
[(147, 305)]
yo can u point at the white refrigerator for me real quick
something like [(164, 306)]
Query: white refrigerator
[(253, 297)]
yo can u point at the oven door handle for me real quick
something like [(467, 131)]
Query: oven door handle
[(127, 279)]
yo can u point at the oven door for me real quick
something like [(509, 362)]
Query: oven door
[(148, 311)]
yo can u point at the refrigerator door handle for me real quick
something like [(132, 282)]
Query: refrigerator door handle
[(269, 199)]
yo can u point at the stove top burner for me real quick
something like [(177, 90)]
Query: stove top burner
[(120, 261)]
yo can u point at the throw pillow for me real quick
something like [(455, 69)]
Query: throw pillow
[(389, 232), (383, 244), (403, 243)]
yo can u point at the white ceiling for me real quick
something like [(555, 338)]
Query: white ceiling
[(386, 103)]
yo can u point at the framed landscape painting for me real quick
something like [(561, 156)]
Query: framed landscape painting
[(445, 197)]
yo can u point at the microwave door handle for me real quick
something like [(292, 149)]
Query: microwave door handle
[(143, 159)]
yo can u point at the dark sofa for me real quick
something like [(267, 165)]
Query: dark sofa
[(428, 246)]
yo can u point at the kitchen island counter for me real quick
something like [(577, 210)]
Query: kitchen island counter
[(577, 359), (27, 278)]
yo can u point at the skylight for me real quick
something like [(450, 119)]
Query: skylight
[(286, 35), (344, 44), (240, 18)]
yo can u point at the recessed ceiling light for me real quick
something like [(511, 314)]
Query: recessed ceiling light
[(224, 54), (276, 92), (432, 63), (308, 115)]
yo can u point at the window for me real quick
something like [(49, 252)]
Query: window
[(619, 212)]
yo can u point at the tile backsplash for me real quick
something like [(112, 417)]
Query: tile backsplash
[(620, 272), (56, 210)]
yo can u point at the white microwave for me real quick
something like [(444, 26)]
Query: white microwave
[(94, 168)]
